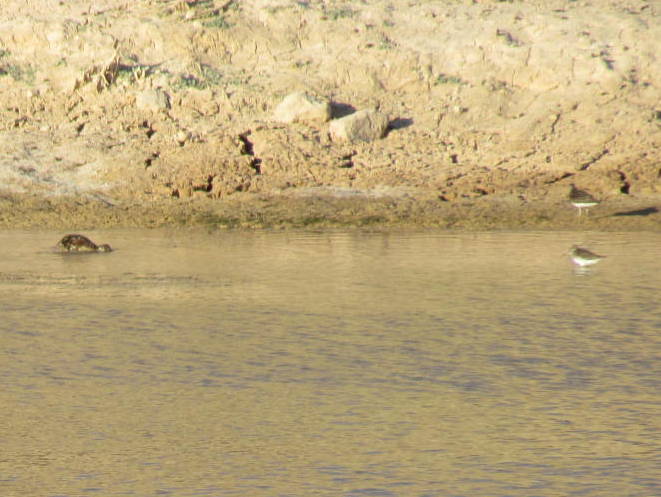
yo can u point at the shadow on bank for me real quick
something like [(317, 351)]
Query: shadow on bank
[(647, 211)]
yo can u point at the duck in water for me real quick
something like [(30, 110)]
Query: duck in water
[(80, 243)]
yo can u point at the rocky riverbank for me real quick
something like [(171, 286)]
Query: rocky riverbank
[(153, 113)]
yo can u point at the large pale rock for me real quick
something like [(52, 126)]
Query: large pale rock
[(301, 107), (153, 100), (364, 125)]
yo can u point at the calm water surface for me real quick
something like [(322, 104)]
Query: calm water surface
[(335, 364)]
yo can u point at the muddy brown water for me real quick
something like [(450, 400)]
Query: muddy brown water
[(338, 364)]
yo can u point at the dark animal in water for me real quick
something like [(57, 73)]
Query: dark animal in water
[(80, 243)]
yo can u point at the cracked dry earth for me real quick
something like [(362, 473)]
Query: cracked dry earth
[(151, 113)]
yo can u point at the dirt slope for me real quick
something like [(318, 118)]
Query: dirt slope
[(148, 107)]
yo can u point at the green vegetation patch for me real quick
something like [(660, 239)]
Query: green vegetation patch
[(339, 13), (217, 22), (26, 74), (449, 79), (207, 77)]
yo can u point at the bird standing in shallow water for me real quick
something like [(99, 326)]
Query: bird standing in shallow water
[(581, 199), (583, 257), (80, 243)]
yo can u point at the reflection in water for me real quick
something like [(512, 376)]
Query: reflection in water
[(353, 364)]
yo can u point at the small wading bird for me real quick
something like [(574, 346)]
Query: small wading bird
[(583, 257), (581, 199), (80, 243)]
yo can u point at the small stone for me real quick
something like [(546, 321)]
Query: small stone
[(365, 125), (182, 137), (153, 100), (299, 107)]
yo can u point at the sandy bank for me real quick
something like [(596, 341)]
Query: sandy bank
[(150, 113), (248, 211)]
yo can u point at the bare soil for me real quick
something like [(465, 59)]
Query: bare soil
[(152, 113)]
